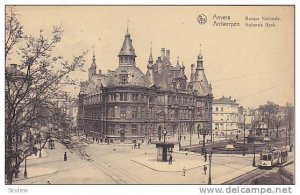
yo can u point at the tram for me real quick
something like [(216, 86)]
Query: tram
[(273, 157)]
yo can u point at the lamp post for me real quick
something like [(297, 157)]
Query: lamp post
[(254, 150), (209, 175), (244, 135), (254, 161), (203, 131), (164, 132)]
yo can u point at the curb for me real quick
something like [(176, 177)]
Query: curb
[(164, 171), (20, 179)]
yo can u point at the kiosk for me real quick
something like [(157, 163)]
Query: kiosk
[(164, 150)]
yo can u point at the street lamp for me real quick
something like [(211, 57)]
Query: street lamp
[(209, 176), (254, 150), (203, 131), (164, 132)]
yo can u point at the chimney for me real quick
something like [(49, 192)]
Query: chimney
[(159, 65), (162, 52), (99, 71), (168, 54), (13, 66)]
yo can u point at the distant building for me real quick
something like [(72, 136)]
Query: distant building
[(126, 105), (225, 116)]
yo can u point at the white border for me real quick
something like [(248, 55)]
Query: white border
[(128, 189)]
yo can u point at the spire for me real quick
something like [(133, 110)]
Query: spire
[(150, 61), (93, 67), (127, 27), (94, 58), (200, 57), (177, 64), (127, 53)]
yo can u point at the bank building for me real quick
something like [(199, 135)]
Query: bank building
[(127, 105)]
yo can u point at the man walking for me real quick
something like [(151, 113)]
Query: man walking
[(170, 160), (205, 169), (65, 156)]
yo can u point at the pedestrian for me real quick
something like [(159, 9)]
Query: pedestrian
[(48, 182), (170, 160), (134, 146), (205, 156), (291, 147), (139, 146), (65, 156), (204, 169), (183, 171), (237, 137), (179, 145)]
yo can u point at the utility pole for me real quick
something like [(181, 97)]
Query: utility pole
[(244, 134)]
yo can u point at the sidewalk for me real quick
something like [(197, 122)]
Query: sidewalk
[(35, 171)]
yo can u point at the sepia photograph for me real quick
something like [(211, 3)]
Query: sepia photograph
[(149, 94)]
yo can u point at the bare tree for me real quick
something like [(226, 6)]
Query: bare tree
[(268, 113), (39, 78)]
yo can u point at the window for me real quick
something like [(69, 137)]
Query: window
[(123, 112), (112, 129), (142, 109), (134, 129), (112, 112), (123, 97), (135, 97), (221, 109), (134, 112), (113, 97), (123, 77), (217, 109), (151, 110), (123, 127)]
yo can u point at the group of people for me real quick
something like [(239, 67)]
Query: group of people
[(137, 146)]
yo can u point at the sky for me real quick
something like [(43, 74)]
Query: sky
[(251, 64)]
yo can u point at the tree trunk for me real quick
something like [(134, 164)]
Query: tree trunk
[(9, 165)]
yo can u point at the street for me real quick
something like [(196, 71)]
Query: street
[(121, 164)]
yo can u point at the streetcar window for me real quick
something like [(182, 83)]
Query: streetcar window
[(265, 157), (269, 157)]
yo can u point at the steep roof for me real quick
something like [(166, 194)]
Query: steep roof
[(225, 100), (134, 77), (127, 48)]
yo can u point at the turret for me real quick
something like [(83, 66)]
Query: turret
[(127, 53), (93, 67)]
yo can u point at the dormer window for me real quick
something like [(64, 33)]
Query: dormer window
[(123, 77)]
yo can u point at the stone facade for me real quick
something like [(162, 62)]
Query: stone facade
[(126, 105), (225, 116)]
